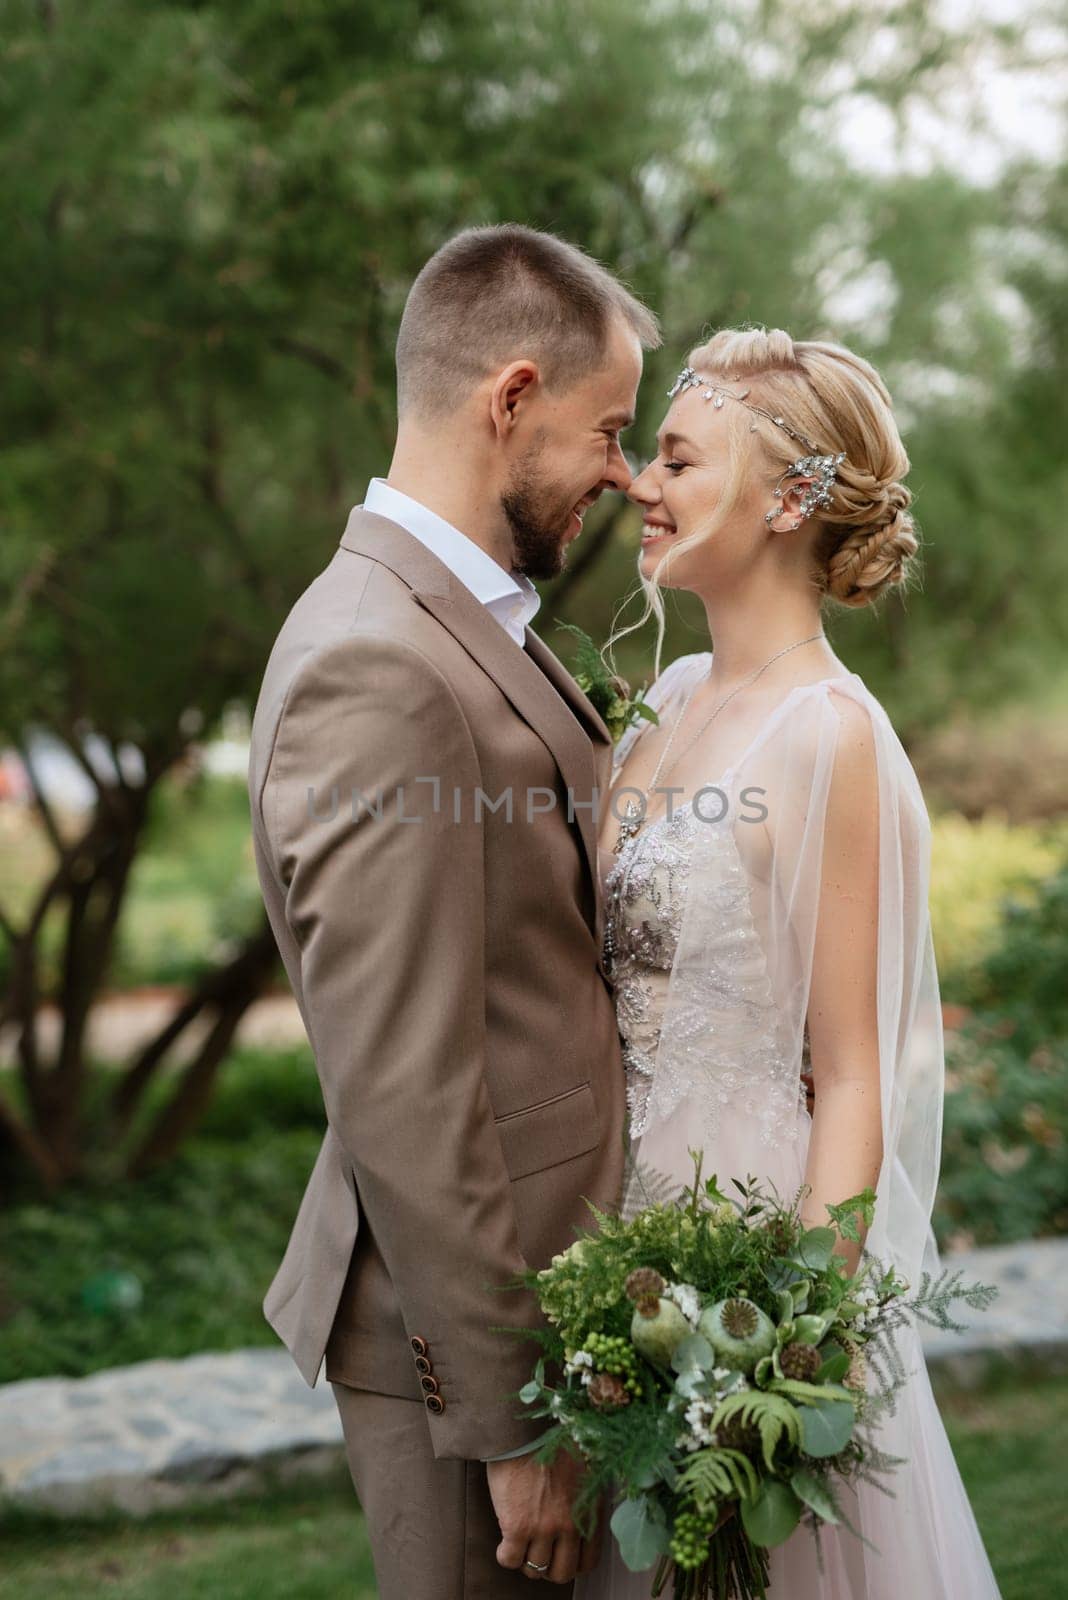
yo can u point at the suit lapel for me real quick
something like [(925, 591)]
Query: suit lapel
[(534, 682), (565, 684)]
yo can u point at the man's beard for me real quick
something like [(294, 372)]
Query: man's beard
[(539, 518)]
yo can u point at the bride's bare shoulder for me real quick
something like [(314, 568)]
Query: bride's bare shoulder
[(683, 670)]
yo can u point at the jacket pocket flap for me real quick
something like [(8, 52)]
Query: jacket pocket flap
[(552, 1131)]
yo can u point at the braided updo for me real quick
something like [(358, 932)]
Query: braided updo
[(866, 537)]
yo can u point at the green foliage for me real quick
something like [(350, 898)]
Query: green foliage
[(291, 1541), (975, 867), (203, 280), (1023, 978), (718, 1474), (201, 286), (815, 1493), (609, 694), (640, 1528), (203, 1237), (853, 1214), (826, 1427), (1004, 1173), (715, 1413), (772, 1515), (775, 1419), (193, 894)]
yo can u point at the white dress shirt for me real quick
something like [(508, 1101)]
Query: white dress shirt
[(510, 597)]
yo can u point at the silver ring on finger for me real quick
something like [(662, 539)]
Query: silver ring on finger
[(536, 1567)]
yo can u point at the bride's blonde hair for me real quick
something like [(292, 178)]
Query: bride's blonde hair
[(866, 538)]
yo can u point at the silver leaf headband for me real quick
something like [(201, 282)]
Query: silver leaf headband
[(811, 465)]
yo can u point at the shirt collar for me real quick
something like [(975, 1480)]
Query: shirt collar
[(510, 597)]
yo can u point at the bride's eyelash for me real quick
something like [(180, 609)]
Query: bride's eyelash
[(674, 466)]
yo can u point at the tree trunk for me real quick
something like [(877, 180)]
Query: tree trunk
[(232, 992)]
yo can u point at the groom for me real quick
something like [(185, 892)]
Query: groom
[(422, 780)]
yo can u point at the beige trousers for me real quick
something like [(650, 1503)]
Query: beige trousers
[(432, 1526)]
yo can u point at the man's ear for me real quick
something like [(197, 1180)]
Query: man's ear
[(514, 386)]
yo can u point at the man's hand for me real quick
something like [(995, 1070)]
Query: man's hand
[(533, 1506)]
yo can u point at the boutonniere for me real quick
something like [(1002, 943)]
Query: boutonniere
[(608, 694)]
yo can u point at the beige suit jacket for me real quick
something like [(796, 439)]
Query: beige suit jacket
[(448, 972)]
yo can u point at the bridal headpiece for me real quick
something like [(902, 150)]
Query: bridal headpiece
[(823, 469)]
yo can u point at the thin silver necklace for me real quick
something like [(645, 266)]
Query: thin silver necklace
[(633, 819)]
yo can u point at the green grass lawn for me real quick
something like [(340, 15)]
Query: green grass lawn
[(1010, 1446), (311, 1544)]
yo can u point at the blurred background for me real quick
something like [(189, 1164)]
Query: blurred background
[(212, 215)]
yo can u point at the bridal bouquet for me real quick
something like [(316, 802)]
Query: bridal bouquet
[(720, 1371)]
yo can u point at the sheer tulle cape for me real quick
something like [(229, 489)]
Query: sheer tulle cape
[(726, 1074), (736, 982)]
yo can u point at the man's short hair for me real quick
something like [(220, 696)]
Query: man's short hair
[(491, 295)]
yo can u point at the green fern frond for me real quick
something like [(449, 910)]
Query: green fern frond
[(932, 1301), (718, 1474), (810, 1393), (655, 1187), (774, 1418)]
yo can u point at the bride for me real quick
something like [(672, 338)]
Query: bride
[(765, 861)]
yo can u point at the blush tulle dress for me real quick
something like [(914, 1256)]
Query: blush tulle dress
[(711, 927)]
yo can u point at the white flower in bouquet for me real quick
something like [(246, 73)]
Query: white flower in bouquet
[(686, 1297)]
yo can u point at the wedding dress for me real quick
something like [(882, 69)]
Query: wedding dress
[(710, 932)]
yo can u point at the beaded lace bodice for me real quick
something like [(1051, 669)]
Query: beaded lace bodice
[(724, 1045)]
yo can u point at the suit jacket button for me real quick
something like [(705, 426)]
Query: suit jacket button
[(419, 1345), (422, 1364), (429, 1385), (434, 1403)]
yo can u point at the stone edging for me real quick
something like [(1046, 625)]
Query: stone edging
[(161, 1433)]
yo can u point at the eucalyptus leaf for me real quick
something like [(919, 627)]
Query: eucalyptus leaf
[(641, 1532), (816, 1247), (530, 1392), (694, 1352), (690, 1384), (826, 1427), (814, 1492), (772, 1514)]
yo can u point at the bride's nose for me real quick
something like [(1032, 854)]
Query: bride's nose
[(643, 489)]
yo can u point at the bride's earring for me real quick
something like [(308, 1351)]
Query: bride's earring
[(775, 523), (797, 502)]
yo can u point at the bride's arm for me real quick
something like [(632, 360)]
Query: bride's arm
[(845, 1150)]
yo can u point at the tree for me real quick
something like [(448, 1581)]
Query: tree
[(202, 279)]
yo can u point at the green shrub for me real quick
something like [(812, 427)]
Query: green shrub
[(1005, 1144), (1004, 1151), (1025, 978), (974, 866), (200, 1240)]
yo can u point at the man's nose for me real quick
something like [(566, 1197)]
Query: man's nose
[(617, 473)]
